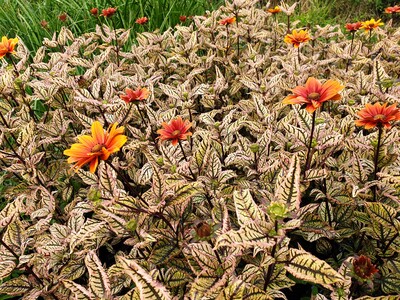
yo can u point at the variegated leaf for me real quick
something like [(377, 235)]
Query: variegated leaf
[(99, 282), (307, 267), (246, 209), (148, 287), (288, 188)]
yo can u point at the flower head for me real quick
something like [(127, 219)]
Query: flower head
[(392, 9), (296, 38), (182, 18), (142, 20), (94, 11), (274, 10), (377, 115), (100, 145), (277, 210), (352, 27), (139, 94), (175, 130), (7, 46), (371, 24), (313, 94), (63, 17), (108, 12), (227, 21), (44, 23), (363, 267)]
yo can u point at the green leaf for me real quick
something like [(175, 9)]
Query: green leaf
[(382, 213), (246, 209), (305, 266), (391, 283)]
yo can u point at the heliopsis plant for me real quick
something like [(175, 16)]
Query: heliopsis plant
[(7, 46), (100, 145), (353, 27), (392, 9), (378, 115), (314, 94), (227, 21), (296, 38), (139, 94), (274, 10), (142, 20), (176, 130), (370, 25), (108, 12), (242, 196)]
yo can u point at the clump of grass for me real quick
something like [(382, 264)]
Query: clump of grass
[(35, 20)]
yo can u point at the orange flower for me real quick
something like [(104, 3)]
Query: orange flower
[(352, 27), (274, 10), (377, 115), (142, 20), (7, 46), (227, 21), (97, 146), (371, 24), (363, 267), (175, 130), (296, 38), (182, 18), (392, 10), (135, 95), (108, 12), (94, 11), (314, 93)]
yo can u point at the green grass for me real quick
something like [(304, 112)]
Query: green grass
[(23, 17)]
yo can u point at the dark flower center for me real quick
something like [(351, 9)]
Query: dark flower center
[(176, 132), (313, 96), (379, 117), (97, 148)]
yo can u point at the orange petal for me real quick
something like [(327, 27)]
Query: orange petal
[(93, 165), (98, 132)]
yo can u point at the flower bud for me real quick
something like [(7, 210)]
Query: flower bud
[(132, 224), (277, 210), (94, 195), (203, 230), (254, 148)]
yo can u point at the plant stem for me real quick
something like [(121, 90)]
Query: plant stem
[(271, 266), (184, 155), (298, 55), (376, 160), (351, 50), (142, 117), (288, 24), (116, 42), (125, 182), (276, 26), (227, 41), (127, 113), (308, 157)]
